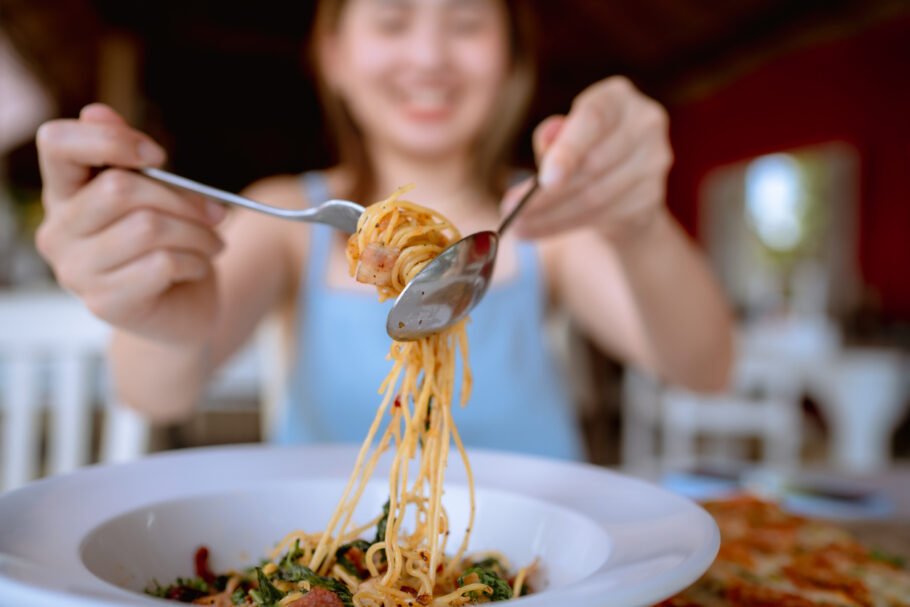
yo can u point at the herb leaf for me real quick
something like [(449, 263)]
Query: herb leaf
[(184, 590), (353, 562), (493, 564), (383, 522), (499, 588), (239, 597), (294, 572), (266, 595), (884, 557)]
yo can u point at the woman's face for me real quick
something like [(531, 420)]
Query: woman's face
[(419, 76)]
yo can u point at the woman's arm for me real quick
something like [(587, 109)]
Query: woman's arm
[(253, 275), (650, 300), (613, 253), (148, 259)]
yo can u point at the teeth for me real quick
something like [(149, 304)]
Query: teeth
[(428, 98)]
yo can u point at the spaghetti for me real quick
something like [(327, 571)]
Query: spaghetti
[(405, 564)]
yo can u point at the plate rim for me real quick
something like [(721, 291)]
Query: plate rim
[(676, 578)]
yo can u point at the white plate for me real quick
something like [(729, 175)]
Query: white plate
[(98, 536)]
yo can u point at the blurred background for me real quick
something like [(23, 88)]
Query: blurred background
[(791, 131)]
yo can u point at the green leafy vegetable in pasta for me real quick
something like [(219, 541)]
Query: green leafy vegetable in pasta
[(351, 557), (499, 588)]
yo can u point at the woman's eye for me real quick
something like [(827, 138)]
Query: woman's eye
[(466, 25), (391, 23)]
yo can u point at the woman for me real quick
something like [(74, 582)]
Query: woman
[(422, 91)]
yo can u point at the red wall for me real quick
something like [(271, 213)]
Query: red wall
[(854, 89)]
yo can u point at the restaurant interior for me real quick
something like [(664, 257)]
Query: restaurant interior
[(791, 135)]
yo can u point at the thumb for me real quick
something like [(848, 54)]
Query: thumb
[(545, 134), (100, 113)]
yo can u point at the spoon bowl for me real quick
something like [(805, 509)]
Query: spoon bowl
[(446, 290), (449, 287)]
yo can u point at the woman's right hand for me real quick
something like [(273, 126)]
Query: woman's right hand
[(138, 253)]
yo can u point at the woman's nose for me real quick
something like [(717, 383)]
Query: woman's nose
[(429, 47)]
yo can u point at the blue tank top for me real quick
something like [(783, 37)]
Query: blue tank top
[(519, 401)]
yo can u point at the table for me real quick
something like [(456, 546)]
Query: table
[(889, 533), (892, 534)]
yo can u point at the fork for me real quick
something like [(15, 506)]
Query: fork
[(340, 214)]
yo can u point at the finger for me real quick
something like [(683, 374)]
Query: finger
[(636, 212), (100, 113), (69, 149), (611, 220), (155, 272), (611, 152), (595, 114), (136, 285), (643, 151), (542, 206), (626, 146), (585, 207), (144, 231), (603, 158), (115, 193), (643, 131), (545, 134)]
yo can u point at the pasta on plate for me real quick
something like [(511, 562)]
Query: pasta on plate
[(405, 562)]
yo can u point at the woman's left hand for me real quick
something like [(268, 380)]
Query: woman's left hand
[(604, 166)]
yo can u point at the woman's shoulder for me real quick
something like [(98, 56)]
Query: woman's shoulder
[(290, 190), (279, 190)]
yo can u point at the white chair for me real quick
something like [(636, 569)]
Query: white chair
[(764, 405), (51, 362), (641, 417), (274, 349), (863, 396)]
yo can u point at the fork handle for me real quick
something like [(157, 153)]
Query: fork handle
[(339, 214), (208, 191)]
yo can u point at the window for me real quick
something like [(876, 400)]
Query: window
[(781, 231)]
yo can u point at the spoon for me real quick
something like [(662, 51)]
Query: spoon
[(449, 287), (340, 214)]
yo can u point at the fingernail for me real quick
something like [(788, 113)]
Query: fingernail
[(214, 211), (551, 174), (150, 153)]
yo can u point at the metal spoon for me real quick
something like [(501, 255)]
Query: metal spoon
[(340, 214), (449, 286)]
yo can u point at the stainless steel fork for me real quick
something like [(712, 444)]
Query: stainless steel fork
[(340, 214)]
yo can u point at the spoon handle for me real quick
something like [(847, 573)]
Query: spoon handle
[(505, 222)]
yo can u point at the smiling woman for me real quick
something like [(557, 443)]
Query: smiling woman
[(428, 92)]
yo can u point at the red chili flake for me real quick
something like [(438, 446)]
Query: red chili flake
[(398, 401), (201, 560)]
